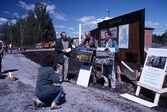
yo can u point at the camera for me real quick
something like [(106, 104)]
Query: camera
[(57, 67)]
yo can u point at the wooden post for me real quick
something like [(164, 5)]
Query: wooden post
[(156, 99), (119, 74), (138, 90), (137, 75)]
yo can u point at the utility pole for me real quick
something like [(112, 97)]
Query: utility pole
[(80, 30)]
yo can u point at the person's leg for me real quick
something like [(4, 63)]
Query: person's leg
[(94, 69), (112, 76), (0, 65), (105, 75), (66, 64), (44, 100), (61, 73), (55, 102), (57, 98)]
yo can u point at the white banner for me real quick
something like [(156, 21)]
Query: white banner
[(124, 36), (153, 73), (113, 31), (103, 33)]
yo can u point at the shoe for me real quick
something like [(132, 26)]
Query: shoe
[(104, 87), (64, 93), (36, 103), (112, 88), (66, 80), (55, 107), (1, 73), (60, 82)]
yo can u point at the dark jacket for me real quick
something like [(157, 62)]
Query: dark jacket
[(46, 78), (1, 46), (59, 48)]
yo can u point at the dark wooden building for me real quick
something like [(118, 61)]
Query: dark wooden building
[(131, 46)]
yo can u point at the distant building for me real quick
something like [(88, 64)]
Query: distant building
[(129, 31), (75, 41), (148, 38)]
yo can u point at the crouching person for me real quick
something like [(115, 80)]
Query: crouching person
[(46, 91)]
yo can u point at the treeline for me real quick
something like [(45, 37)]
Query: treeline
[(36, 27), (161, 39)]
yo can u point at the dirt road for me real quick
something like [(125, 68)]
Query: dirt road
[(17, 96)]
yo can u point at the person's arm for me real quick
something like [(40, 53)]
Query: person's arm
[(70, 45), (58, 47), (103, 44), (2, 45), (54, 76), (115, 45), (96, 43)]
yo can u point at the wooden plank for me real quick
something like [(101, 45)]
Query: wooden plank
[(138, 90), (119, 74), (164, 90), (127, 66), (156, 99), (138, 100)]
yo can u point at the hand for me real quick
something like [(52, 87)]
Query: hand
[(107, 47), (64, 51), (87, 47), (57, 71)]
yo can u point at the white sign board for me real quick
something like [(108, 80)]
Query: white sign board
[(153, 73), (84, 75), (124, 36), (113, 31), (103, 33)]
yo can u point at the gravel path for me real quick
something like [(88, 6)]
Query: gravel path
[(17, 96)]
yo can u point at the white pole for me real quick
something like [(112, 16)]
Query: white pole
[(79, 33)]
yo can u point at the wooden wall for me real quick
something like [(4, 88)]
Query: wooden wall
[(136, 21)]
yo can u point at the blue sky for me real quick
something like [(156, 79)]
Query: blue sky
[(68, 14)]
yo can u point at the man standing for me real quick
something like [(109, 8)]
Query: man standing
[(63, 48), (108, 70), (1, 53), (90, 42), (10, 47)]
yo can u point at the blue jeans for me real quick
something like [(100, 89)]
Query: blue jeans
[(10, 50), (108, 71), (47, 99)]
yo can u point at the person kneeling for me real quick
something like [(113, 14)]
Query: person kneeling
[(46, 91)]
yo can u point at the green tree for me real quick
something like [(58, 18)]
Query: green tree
[(31, 37), (44, 23), (4, 31), (21, 27), (28, 30), (164, 37), (16, 34)]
